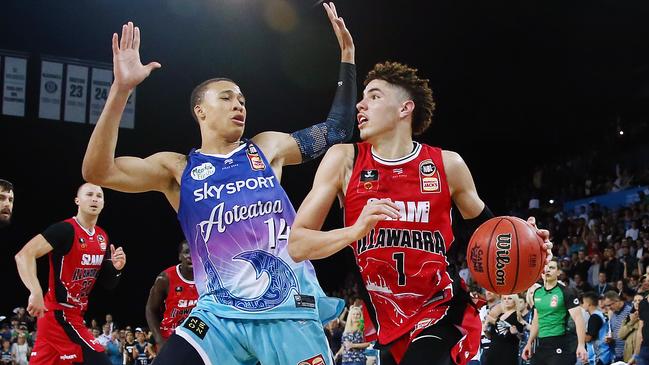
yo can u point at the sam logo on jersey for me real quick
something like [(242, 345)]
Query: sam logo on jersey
[(87, 259), (429, 177), (256, 163), (203, 171)]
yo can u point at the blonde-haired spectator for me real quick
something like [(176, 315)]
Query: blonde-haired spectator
[(354, 345)]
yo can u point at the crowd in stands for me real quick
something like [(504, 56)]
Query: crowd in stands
[(603, 256), (124, 345)]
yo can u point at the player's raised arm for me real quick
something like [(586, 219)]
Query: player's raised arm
[(99, 164), (309, 143)]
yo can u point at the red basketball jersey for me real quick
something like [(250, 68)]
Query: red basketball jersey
[(181, 299), (73, 275), (403, 262)]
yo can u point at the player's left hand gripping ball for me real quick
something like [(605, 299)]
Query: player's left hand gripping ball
[(545, 236)]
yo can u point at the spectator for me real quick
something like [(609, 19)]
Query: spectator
[(611, 265), (352, 350), (593, 271), (6, 357), (334, 331), (105, 336), (580, 285), (582, 265), (21, 350), (110, 323), (113, 347), (628, 329), (143, 352), (633, 231), (602, 285), (618, 311), (599, 351), (505, 332), (128, 350)]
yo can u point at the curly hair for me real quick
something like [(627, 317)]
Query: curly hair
[(417, 88)]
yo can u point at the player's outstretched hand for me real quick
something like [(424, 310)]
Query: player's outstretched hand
[(127, 67), (545, 236), (345, 40)]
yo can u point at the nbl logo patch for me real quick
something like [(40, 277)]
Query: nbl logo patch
[(368, 181), (256, 163), (429, 177), (316, 360)]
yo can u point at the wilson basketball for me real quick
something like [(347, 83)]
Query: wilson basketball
[(505, 255)]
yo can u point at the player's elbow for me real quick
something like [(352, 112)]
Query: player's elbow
[(296, 248)]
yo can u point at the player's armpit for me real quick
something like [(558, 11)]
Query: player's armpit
[(461, 185), (306, 240)]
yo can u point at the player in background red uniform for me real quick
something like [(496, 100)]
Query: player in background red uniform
[(397, 195), (174, 294), (78, 252)]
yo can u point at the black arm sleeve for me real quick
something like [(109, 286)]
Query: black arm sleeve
[(464, 228), (108, 275), (339, 126), (60, 236)]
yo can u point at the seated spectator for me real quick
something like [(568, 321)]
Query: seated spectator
[(6, 357), (21, 350), (353, 347)]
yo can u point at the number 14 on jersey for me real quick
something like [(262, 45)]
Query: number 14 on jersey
[(275, 236)]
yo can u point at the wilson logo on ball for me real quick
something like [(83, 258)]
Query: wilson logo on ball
[(503, 246)]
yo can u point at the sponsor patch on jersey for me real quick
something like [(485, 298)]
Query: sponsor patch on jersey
[(304, 301), (316, 360), (554, 301), (178, 290), (429, 177), (100, 238), (196, 326), (256, 163), (368, 181), (203, 171)]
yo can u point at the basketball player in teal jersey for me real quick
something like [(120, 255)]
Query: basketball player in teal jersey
[(256, 304)]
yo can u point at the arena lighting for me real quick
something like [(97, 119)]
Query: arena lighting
[(551, 201), (621, 132)]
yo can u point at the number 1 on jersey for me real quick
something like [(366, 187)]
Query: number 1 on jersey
[(280, 235), (399, 257)]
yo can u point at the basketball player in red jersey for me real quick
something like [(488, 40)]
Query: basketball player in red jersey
[(397, 195), (78, 252), (173, 290)]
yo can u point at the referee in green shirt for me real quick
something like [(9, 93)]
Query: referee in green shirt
[(553, 302)]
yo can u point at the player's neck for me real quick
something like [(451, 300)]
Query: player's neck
[(86, 221), (187, 273), (392, 147), (216, 144), (549, 284)]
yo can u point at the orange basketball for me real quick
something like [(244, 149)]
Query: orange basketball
[(505, 255)]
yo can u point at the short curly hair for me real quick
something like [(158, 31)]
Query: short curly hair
[(417, 88)]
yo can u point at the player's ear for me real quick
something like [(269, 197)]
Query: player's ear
[(407, 107)]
